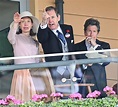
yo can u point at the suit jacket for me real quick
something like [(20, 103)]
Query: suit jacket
[(96, 71), (51, 44)]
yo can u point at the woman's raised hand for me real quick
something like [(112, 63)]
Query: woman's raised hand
[(17, 17)]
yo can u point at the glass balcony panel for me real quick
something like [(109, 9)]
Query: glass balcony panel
[(46, 80)]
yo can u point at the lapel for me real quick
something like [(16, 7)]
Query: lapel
[(83, 48), (63, 30), (98, 42), (83, 45), (58, 41)]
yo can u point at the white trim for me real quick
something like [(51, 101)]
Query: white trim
[(59, 54)]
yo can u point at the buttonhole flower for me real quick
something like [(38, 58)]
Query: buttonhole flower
[(68, 31), (67, 35)]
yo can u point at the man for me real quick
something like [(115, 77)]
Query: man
[(92, 73), (48, 35)]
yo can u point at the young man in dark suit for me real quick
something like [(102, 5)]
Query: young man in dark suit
[(92, 73), (49, 36)]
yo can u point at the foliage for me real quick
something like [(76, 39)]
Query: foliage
[(109, 101), (75, 100)]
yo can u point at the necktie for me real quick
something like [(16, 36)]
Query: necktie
[(61, 36)]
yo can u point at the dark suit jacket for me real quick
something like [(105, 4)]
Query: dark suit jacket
[(51, 44), (96, 72)]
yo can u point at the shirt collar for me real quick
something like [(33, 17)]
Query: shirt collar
[(59, 29)]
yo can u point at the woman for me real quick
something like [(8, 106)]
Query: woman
[(20, 35)]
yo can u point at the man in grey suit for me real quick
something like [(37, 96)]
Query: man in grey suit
[(92, 73), (56, 38)]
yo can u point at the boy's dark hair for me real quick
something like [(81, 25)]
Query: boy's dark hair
[(92, 22), (49, 8)]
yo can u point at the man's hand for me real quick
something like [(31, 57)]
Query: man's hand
[(92, 41), (45, 18)]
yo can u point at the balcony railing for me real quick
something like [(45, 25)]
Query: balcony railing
[(113, 59)]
